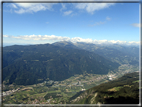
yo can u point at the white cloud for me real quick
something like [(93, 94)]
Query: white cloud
[(63, 7), (97, 23), (134, 43), (91, 7), (78, 39), (26, 5), (31, 7), (5, 36), (136, 24), (108, 18), (13, 5), (39, 37), (35, 7), (21, 11), (54, 38), (67, 12), (100, 23)]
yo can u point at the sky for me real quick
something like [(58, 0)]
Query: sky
[(39, 23)]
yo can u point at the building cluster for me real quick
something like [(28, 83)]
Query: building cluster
[(51, 82), (77, 83), (83, 89), (10, 92), (57, 84), (111, 76)]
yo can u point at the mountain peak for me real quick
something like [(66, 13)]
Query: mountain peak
[(67, 44)]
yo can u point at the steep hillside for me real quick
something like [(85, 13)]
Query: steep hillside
[(32, 64), (124, 90)]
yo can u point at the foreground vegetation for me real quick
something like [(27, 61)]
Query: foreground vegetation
[(124, 90)]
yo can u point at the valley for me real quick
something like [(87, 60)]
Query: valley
[(70, 53), (59, 92), (60, 72)]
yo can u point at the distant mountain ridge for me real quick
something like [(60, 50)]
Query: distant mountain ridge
[(31, 64), (116, 53), (66, 44)]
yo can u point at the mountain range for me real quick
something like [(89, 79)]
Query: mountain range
[(121, 54), (31, 64)]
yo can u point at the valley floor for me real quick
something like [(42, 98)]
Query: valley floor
[(59, 92)]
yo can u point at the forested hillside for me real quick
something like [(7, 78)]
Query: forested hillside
[(32, 64)]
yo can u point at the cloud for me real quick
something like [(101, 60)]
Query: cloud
[(13, 5), (136, 24), (67, 12), (35, 7), (100, 23), (5, 36), (108, 18), (25, 5), (21, 8), (63, 7), (91, 7), (21, 11), (54, 38), (39, 37), (97, 23), (78, 39)]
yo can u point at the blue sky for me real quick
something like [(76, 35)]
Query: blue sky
[(35, 23)]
